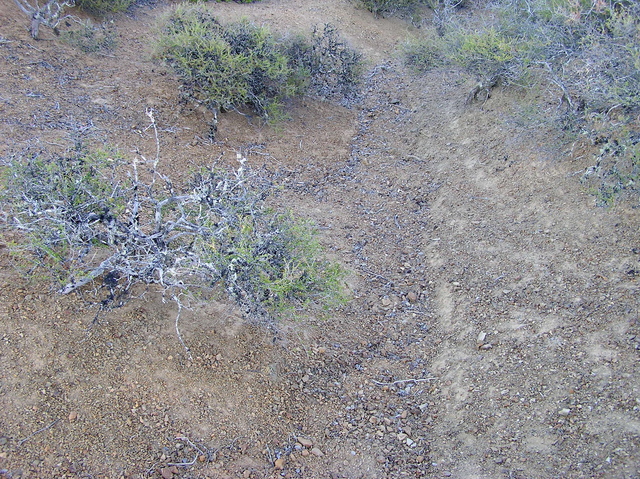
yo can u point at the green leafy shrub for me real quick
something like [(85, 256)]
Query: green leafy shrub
[(102, 7), (590, 53), (225, 67), (85, 225), (586, 53), (228, 66)]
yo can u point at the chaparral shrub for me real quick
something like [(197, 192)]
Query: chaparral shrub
[(229, 66), (86, 224)]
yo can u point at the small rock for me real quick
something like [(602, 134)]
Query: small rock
[(402, 436), (412, 297), (202, 458), (381, 459), (499, 460), (279, 464), (446, 474), (564, 412), (486, 347), (322, 350), (166, 473), (304, 453), (410, 442), (481, 337), (317, 452), (3, 440), (306, 442), (73, 415)]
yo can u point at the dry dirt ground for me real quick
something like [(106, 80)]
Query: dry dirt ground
[(493, 330)]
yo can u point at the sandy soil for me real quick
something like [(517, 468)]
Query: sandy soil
[(493, 330)]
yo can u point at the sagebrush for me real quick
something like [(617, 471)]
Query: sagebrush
[(90, 222), (227, 67)]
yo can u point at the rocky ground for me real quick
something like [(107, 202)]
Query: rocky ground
[(493, 327)]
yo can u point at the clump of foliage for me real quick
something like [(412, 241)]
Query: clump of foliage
[(326, 64), (91, 38), (225, 67), (586, 53), (391, 7), (86, 223), (589, 50), (615, 175), (102, 7)]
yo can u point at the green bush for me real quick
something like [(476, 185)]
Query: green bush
[(84, 225), (102, 7), (584, 53), (228, 66), (590, 54)]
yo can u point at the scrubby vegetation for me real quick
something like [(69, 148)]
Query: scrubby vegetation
[(102, 7), (89, 224), (91, 38), (226, 67), (584, 56), (390, 7)]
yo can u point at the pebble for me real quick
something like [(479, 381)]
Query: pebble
[(412, 297), (317, 452), (3, 440), (166, 473), (279, 464), (381, 459), (306, 442), (73, 415), (564, 412)]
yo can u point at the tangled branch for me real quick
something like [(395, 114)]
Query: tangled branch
[(89, 218), (48, 14)]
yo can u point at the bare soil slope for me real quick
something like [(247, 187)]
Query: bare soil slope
[(493, 330)]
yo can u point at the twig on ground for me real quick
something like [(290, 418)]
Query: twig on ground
[(188, 351), (199, 453), (379, 276), (22, 441), (403, 381)]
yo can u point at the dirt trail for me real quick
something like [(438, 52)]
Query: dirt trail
[(493, 330)]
